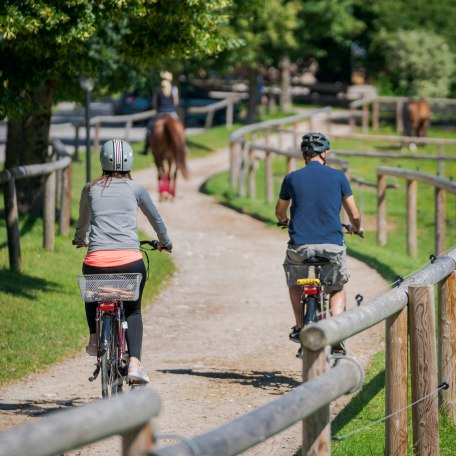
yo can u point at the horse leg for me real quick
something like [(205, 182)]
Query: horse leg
[(172, 178)]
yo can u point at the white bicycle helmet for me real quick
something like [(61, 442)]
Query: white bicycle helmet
[(116, 155)]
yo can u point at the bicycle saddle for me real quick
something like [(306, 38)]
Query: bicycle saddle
[(316, 261)]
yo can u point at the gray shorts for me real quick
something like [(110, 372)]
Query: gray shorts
[(333, 275)]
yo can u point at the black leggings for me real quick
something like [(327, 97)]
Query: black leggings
[(132, 308)]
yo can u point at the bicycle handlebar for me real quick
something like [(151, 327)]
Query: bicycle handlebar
[(348, 228), (155, 245)]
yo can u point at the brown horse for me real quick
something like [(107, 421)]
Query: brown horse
[(168, 149), (417, 117)]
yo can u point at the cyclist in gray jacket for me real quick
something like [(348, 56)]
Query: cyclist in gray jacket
[(317, 194), (107, 225)]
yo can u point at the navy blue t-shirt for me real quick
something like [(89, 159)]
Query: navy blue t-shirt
[(316, 193)]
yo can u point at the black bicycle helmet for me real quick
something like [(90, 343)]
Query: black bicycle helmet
[(314, 143)]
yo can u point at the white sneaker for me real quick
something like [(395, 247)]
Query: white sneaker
[(137, 374)]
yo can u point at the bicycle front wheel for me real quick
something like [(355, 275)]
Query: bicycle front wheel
[(111, 377)]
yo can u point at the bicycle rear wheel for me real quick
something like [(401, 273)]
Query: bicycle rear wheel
[(111, 376), (311, 303)]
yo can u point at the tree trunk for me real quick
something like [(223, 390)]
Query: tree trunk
[(27, 143), (253, 96), (285, 94)]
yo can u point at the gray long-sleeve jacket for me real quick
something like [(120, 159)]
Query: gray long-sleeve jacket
[(109, 215)]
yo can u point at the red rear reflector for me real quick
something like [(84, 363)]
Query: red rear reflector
[(310, 289), (107, 306)]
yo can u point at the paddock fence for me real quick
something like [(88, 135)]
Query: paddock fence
[(441, 187), (57, 194), (368, 110), (253, 143)]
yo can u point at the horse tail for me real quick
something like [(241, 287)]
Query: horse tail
[(176, 137)]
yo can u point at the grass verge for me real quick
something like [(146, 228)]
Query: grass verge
[(43, 317)]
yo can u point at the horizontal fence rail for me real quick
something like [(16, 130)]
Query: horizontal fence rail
[(351, 322), (441, 186), (127, 414), (264, 422), (57, 188)]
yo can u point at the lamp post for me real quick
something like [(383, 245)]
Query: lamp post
[(87, 84)]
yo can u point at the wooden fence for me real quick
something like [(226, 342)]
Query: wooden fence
[(127, 414), (412, 299), (368, 109), (243, 143), (440, 185), (57, 186), (128, 120)]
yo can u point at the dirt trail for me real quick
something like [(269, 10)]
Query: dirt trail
[(216, 339)]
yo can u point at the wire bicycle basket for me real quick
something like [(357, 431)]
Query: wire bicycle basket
[(117, 287)]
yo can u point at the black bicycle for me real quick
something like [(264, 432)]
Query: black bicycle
[(110, 291), (314, 297)]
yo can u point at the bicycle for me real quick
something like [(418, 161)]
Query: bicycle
[(314, 297), (110, 291)]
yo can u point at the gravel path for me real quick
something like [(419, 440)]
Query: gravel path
[(216, 339)]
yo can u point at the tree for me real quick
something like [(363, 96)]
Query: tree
[(407, 54), (46, 46), (386, 17), (265, 30)]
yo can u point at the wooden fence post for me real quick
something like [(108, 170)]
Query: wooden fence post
[(365, 118), (440, 240), (375, 115), (425, 414), (316, 431), (399, 119), (140, 441), (352, 121), (396, 384), (441, 162), (65, 202), (291, 164), (269, 177), (242, 168), (229, 112), (411, 218), (76, 141), (12, 225), (234, 168), (128, 126), (251, 174), (49, 212), (381, 210), (447, 343)]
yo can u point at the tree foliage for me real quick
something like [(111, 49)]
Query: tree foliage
[(111, 40), (417, 62)]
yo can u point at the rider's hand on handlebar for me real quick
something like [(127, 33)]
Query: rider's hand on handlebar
[(350, 230), (167, 248), (283, 223), (78, 246)]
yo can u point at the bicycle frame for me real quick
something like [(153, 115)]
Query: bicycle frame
[(111, 313)]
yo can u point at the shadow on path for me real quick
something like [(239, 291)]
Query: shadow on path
[(274, 380)]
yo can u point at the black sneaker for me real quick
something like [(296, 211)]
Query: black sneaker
[(339, 349), (294, 335)]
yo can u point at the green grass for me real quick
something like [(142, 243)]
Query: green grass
[(43, 317)]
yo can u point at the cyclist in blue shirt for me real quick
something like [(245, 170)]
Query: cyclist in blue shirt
[(317, 194)]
